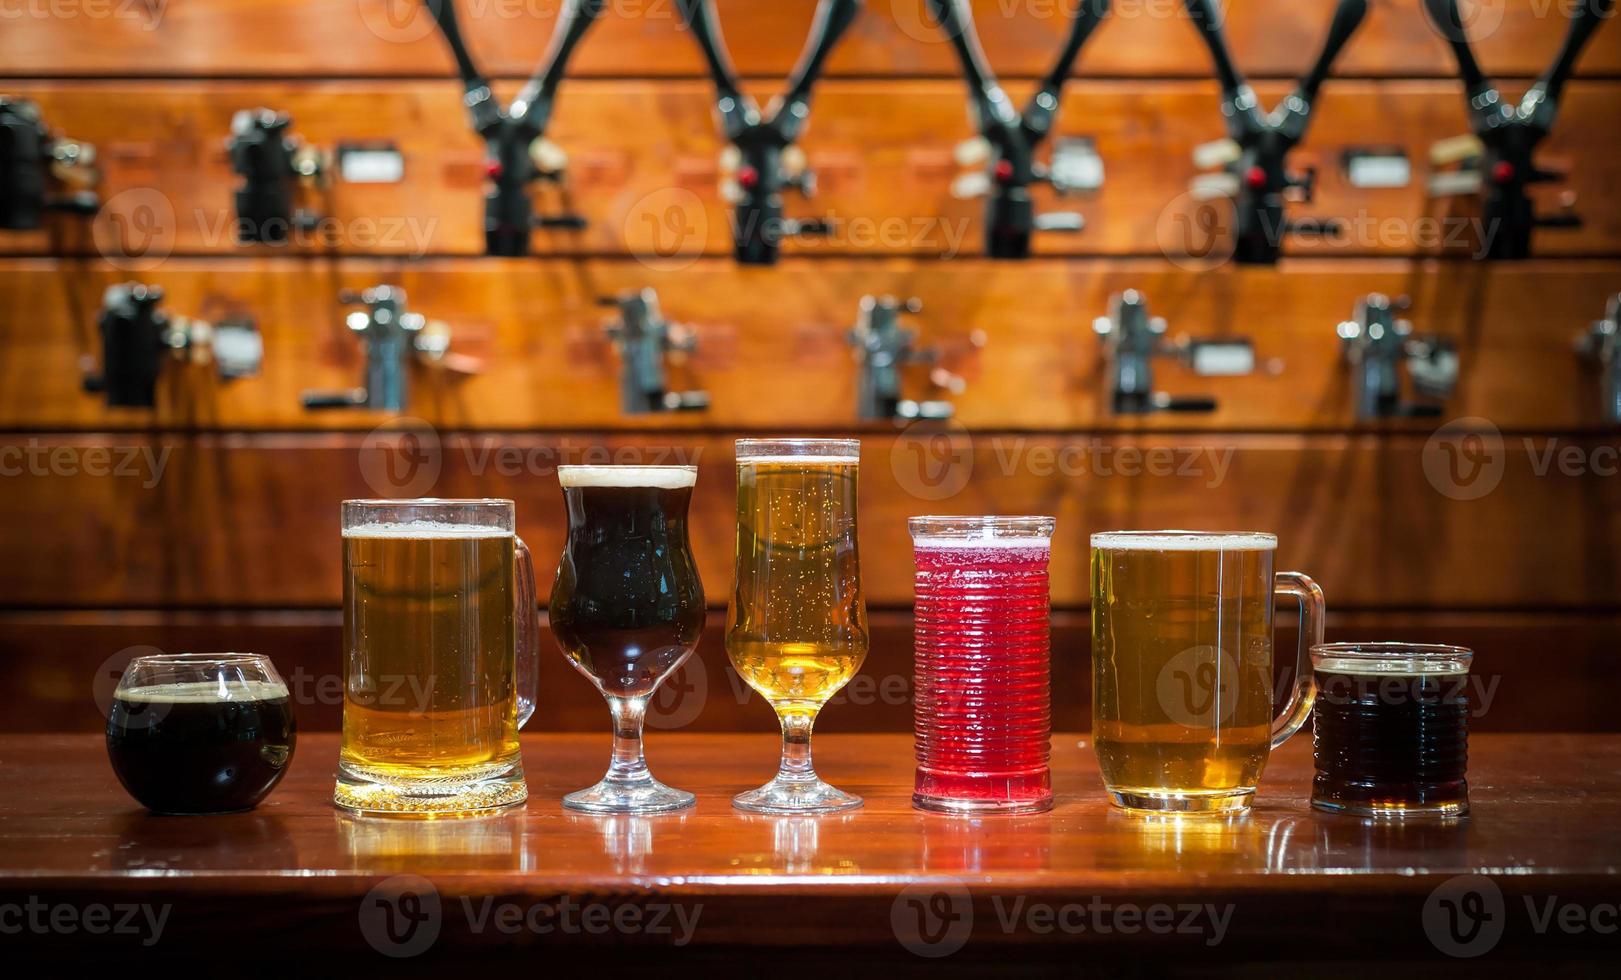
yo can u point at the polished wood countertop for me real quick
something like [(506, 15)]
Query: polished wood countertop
[(1284, 880)]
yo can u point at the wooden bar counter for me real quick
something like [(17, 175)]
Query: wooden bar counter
[(1532, 876)]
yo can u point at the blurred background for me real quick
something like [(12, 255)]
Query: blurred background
[(1476, 500)]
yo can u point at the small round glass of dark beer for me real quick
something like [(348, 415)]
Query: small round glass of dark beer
[(196, 733), (1391, 729)]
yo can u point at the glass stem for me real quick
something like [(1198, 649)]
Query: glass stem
[(628, 716), (796, 742)]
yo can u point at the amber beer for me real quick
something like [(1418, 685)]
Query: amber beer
[(431, 708), (796, 628), (1182, 654)]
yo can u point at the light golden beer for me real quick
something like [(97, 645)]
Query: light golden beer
[(1182, 714), (797, 626), (430, 713)]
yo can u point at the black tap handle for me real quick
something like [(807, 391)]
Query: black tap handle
[(533, 107), (1445, 16), (1347, 18), (1207, 17), (991, 104), (1043, 105), (833, 18), (473, 81), (1582, 26), (1184, 403), (737, 111), (319, 400)]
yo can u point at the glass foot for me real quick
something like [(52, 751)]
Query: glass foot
[(629, 796), (1168, 801), (451, 795), (796, 796)]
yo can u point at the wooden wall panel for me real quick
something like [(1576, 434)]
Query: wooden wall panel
[(56, 664), (548, 365), (645, 168), (1380, 521), (367, 38)]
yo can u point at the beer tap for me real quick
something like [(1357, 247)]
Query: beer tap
[(41, 171), (884, 347), (1597, 347), (1376, 343), (1253, 160), (272, 165), (1497, 158), (1009, 138), (644, 338), (1131, 341), (762, 161), (394, 336), (138, 336), (517, 152)]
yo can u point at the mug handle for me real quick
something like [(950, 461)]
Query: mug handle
[(1304, 693), (527, 664)]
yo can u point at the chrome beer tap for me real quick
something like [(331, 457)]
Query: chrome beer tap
[(1376, 344), (273, 165), (1597, 348), (1497, 158), (1005, 149), (138, 337), (762, 160), (884, 347), (517, 152), (644, 339), (1253, 160), (1131, 341), (41, 171), (394, 337)]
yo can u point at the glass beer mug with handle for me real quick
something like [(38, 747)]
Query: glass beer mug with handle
[(796, 628), (1182, 666), (441, 646), (627, 608)]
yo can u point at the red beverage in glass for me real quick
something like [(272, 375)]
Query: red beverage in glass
[(983, 701)]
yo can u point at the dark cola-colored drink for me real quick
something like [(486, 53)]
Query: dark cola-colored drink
[(1391, 742), (627, 605), (181, 748)]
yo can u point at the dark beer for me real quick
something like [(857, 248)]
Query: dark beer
[(182, 748), (1391, 736), (627, 605)]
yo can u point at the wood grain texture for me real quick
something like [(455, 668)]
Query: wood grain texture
[(366, 38), (782, 332), (62, 666), (768, 884), (252, 521), (645, 169)]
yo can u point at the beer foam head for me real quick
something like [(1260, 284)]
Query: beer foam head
[(1184, 541), (418, 530), (206, 692), (657, 477)]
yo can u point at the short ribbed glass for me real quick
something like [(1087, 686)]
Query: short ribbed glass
[(983, 709), (1390, 731)]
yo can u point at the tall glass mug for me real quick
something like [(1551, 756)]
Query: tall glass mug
[(1182, 666), (796, 628), (627, 609), (438, 596)]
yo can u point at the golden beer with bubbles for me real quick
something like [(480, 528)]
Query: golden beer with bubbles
[(1182, 706), (434, 597), (796, 627)]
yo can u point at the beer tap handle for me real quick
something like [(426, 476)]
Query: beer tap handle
[(321, 400), (736, 110), (1042, 107), (533, 107), (1207, 17), (1348, 16), (480, 103), (1589, 16), (833, 17), (1444, 14), (992, 107)]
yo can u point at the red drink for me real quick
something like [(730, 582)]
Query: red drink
[(983, 705)]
